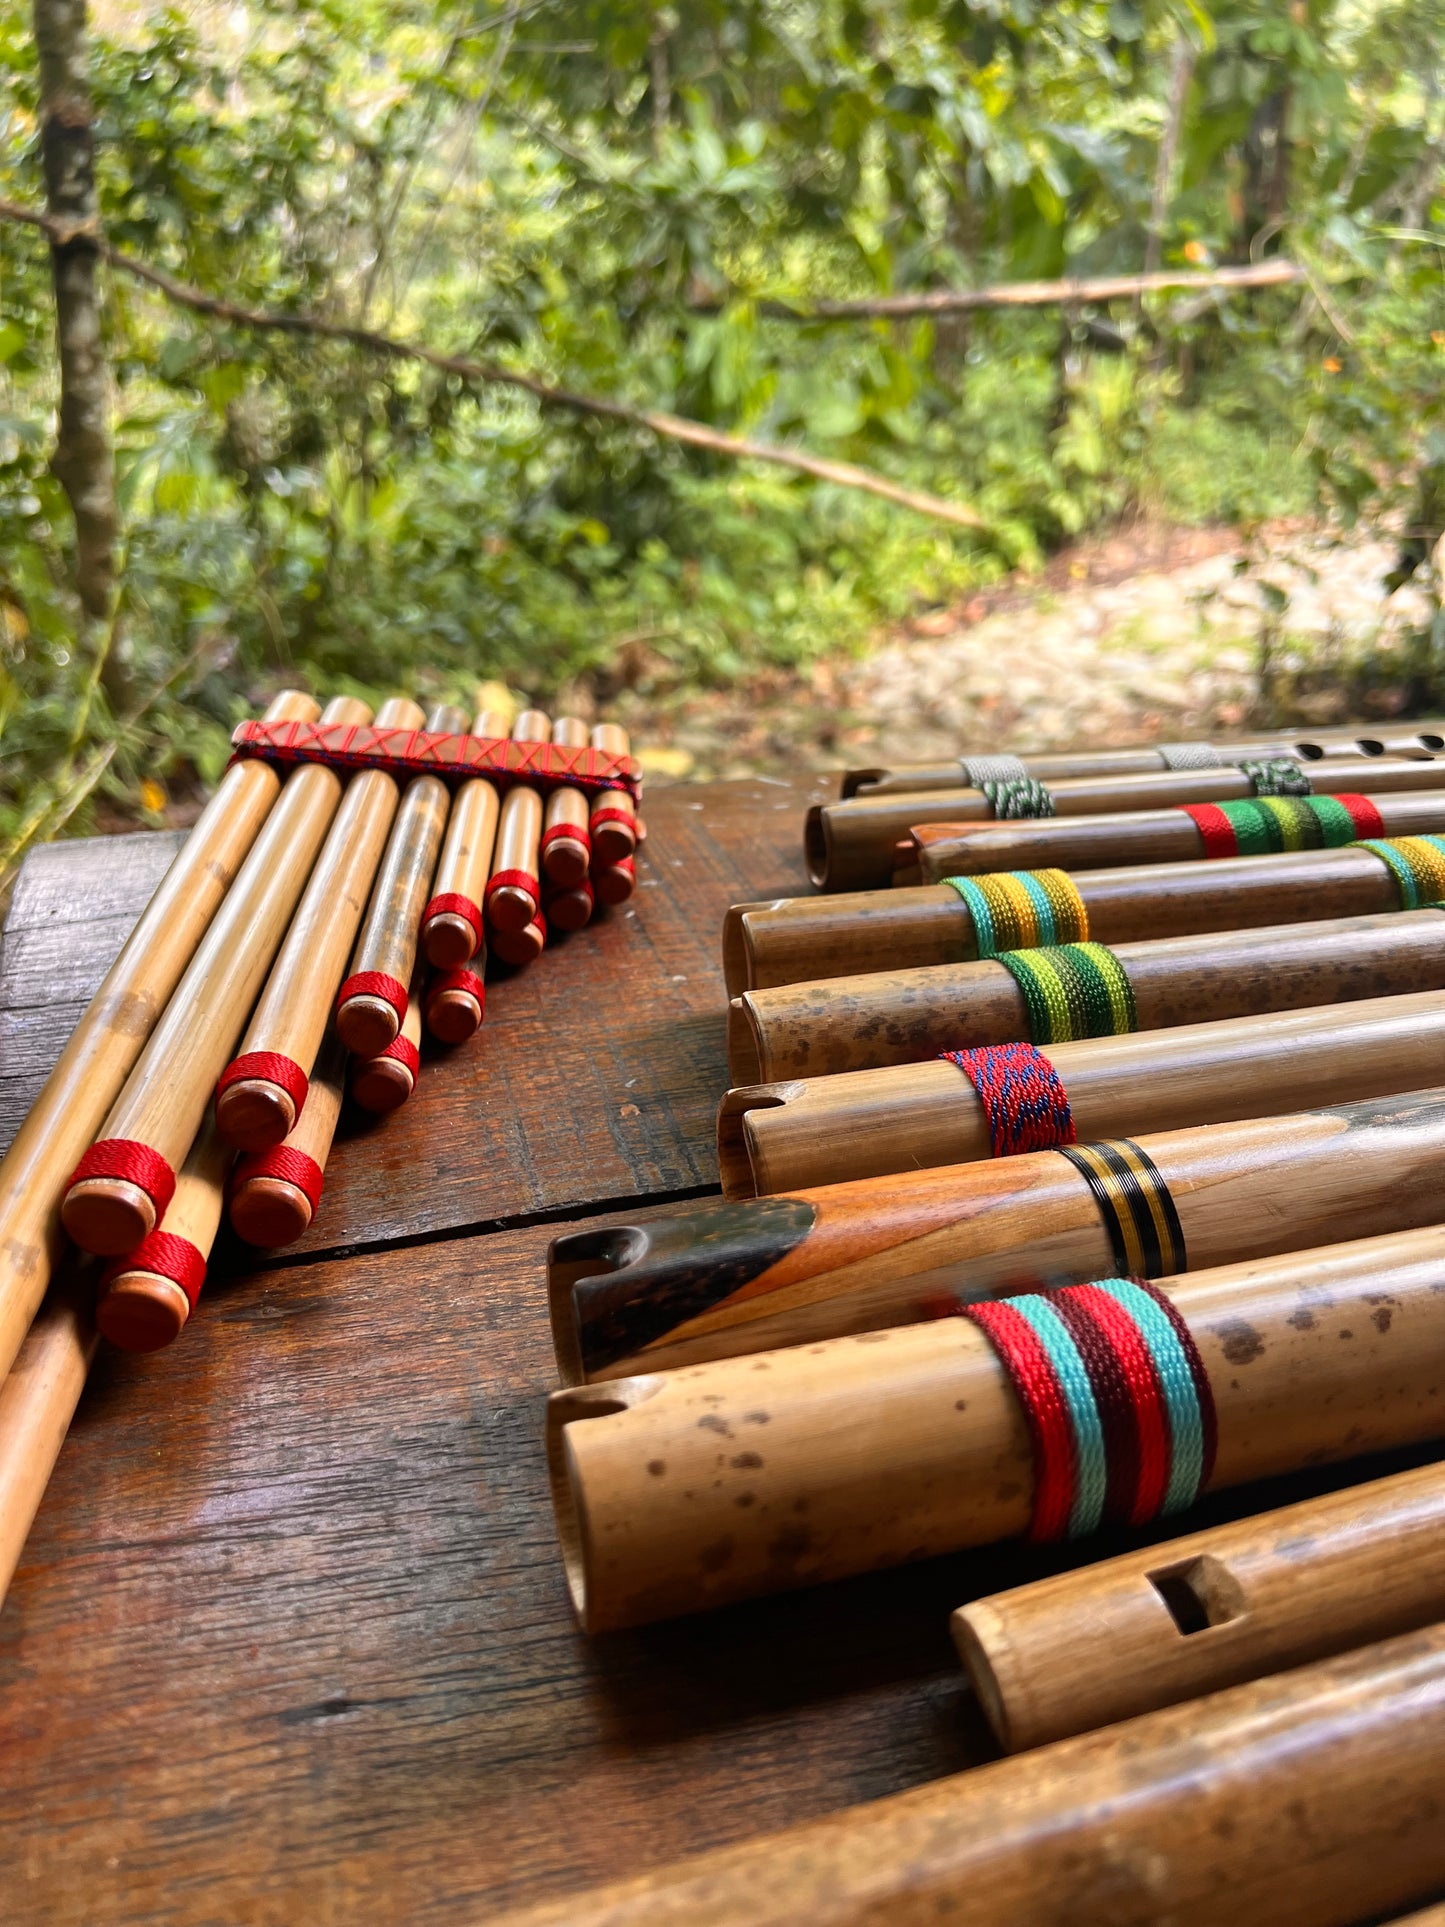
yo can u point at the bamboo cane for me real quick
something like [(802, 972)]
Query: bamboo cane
[(451, 931), (856, 845), (159, 1111), (571, 910), (147, 1297), (566, 847), (793, 939), (1305, 1800), (259, 1109), (385, 1082), (789, 1468), (614, 815), (371, 1006), (519, 947), (453, 1004), (514, 890), (723, 1279), (1197, 1614), (904, 1016), (864, 1124), (38, 1397), (112, 1033), (275, 1194)]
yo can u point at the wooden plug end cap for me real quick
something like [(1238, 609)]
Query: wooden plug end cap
[(611, 842), (570, 909), (565, 862), (253, 1114), (269, 1212), (141, 1312), (448, 940), (452, 1016), (367, 1025), (612, 886), (518, 946), (510, 908), (382, 1084), (108, 1216)]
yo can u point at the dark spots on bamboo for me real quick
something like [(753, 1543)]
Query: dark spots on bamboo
[(960, 1405), (745, 1499), (756, 1418), (1241, 1342), (712, 1423), (1381, 1318), (1303, 1320), (719, 1554), (790, 1546), (657, 1467), (746, 1462), (1345, 1332)]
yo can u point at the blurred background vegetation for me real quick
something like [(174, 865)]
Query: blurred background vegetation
[(640, 202)]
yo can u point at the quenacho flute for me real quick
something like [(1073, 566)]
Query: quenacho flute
[(147, 1297), (371, 1004), (718, 1280), (452, 930), (105, 1044), (262, 1091), (122, 1185), (275, 1194)]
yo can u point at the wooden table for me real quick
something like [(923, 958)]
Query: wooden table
[(290, 1641)]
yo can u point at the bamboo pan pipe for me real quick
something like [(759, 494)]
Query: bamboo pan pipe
[(1309, 1799), (372, 1002), (614, 815), (147, 1297), (572, 909), (38, 1397), (904, 1016), (1174, 1621), (865, 1124), (105, 1044), (939, 850), (679, 1491), (522, 946), (514, 890), (385, 1082), (566, 837), (451, 931), (275, 1194), (1098, 819), (255, 1108), (794, 939), (723, 1279), (453, 1005), (158, 1113)]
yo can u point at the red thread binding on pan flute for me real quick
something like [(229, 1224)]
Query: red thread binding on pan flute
[(375, 983), (292, 1167), (136, 1163), (515, 880), (165, 1255), (452, 904), (271, 1067), (613, 813), (466, 980), (429, 752), (572, 832), (404, 1051)]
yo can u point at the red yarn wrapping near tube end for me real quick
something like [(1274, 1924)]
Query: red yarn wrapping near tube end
[(514, 880), (1362, 813), (166, 1256), (271, 1067), (466, 980), (614, 813), (571, 832), (404, 1051), (136, 1163), (375, 983), (292, 1167), (452, 904)]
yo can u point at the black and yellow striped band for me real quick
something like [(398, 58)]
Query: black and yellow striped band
[(1135, 1204)]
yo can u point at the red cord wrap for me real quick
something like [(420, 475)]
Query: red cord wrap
[(404, 1051), (451, 904), (466, 980), (613, 813), (1050, 1429), (138, 1164), (292, 1167), (514, 880), (1362, 813), (1144, 1471), (272, 1068), (1214, 827), (571, 832), (166, 1256), (416, 752), (375, 983), (1023, 1097)]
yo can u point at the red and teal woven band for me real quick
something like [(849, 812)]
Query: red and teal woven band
[(1022, 1095), (1271, 824), (1117, 1401)]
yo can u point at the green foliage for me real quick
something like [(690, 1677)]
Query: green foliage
[(605, 193)]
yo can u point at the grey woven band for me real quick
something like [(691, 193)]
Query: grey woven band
[(1190, 756), (978, 770)]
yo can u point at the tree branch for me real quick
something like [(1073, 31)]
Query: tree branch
[(1168, 147), (676, 428)]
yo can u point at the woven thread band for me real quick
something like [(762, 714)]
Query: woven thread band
[(1143, 1226), (1275, 776), (1417, 864), (978, 770), (613, 813), (137, 1163), (465, 980), (1190, 756), (1075, 990), (431, 752), (565, 832), (291, 1167), (1022, 1095), (522, 880), (375, 983), (270, 1067), (1117, 1401), (1272, 824), (1016, 797), (1021, 909), (451, 903), (164, 1255), (404, 1051)]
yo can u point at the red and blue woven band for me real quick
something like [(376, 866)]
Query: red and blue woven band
[(1023, 1097), (1117, 1401)]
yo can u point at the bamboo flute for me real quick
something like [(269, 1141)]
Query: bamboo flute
[(371, 1004), (275, 1194), (858, 845), (385, 1082), (722, 1279), (263, 1090), (451, 929), (1309, 1799), (522, 946), (566, 847), (147, 1297), (864, 1124), (122, 1185), (942, 850), (793, 939), (614, 815), (38, 1397), (904, 1016), (1170, 1622), (514, 890), (679, 1491), (105, 1044), (453, 1005)]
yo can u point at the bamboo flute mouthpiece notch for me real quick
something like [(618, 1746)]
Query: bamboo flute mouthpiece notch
[(38, 1397), (790, 939), (147, 1297), (723, 1279), (519, 947), (1194, 1615), (451, 932), (385, 1082), (904, 1016), (614, 815), (371, 1003), (1308, 1799), (263, 1090), (275, 1194), (123, 1184), (102, 1051), (566, 837), (514, 889), (865, 1124), (789, 1468), (453, 1006)]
